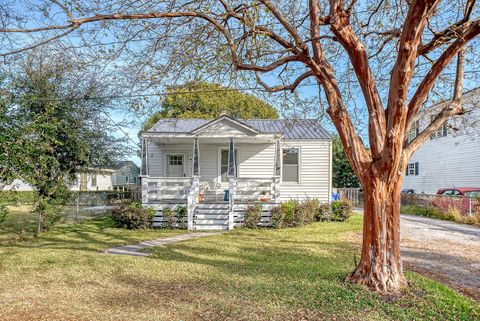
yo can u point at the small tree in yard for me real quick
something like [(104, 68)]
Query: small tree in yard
[(53, 134), (395, 50)]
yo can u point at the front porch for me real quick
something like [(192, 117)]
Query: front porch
[(209, 209), (209, 184)]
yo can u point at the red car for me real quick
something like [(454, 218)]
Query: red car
[(462, 198), (460, 191)]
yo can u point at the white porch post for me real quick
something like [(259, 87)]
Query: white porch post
[(192, 198), (144, 190), (276, 172), (144, 172), (232, 182)]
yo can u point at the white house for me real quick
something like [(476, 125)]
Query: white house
[(216, 167), (451, 158), (95, 179)]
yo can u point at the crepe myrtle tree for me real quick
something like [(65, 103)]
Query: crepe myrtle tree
[(396, 53)]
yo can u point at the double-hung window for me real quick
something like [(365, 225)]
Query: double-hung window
[(441, 132), (412, 169), (414, 131), (291, 165), (93, 179)]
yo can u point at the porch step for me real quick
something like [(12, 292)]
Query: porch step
[(212, 211), (212, 206), (197, 221), (210, 227), (211, 216)]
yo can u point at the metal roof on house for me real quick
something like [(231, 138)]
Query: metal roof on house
[(289, 128)]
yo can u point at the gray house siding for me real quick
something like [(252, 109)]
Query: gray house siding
[(126, 174), (451, 158)]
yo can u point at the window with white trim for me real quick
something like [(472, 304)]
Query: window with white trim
[(414, 131), (412, 169), (441, 132), (224, 164), (290, 165), (93, 180)]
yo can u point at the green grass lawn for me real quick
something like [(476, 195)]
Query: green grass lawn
[(289, 274)]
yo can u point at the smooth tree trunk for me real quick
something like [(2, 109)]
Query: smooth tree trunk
[(380, 265)]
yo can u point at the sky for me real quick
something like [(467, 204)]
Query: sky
[(308, 90)]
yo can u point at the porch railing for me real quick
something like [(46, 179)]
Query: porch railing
[(186, 190), (255, 189), (166, 188)]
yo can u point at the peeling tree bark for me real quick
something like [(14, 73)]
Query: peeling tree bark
[(379, 169), (380, 266)]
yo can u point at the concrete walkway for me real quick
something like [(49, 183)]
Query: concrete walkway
[(136, 249)]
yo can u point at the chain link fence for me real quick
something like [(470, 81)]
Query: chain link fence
[(21, 220), (85, 205)]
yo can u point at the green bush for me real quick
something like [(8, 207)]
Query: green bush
[(181, 213), (49, 213), (295, 213), (133, 216), (324, 213), (169, 218), (451, 214), (277, 216), (341, 210), (305, 212), (428, 211), (3, 212), (253, 216), (288, 209), (18, 197)]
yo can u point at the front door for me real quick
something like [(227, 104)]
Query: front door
[(223, 169), (175, 165)]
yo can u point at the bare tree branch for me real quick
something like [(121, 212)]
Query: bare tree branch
[(452, 108), (290, 87), (452, 32), (401, 75), (427, 83), (341, 27)]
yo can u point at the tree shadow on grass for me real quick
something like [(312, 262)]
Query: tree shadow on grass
[(237, 256), (92, 235)]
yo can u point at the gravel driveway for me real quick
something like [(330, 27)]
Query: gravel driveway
[(446, 251)]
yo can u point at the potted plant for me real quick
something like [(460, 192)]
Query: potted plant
[(264, 197)]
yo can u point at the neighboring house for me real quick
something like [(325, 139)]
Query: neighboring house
[(18, 185), (95, 179), (216, 167), (451, 158), (126, 175)]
